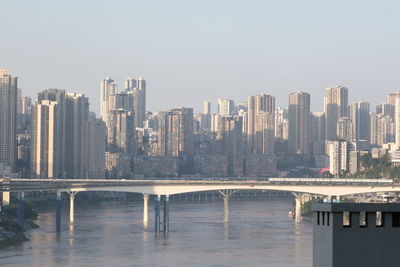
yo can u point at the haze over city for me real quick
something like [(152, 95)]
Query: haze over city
[(199, 133), (190, 51)]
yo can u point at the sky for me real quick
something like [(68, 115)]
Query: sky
[(190, 51)]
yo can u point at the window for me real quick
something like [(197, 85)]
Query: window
[(327, 218), (346, 219), (318, 218), (396, 219), (363, 219), (379, 219), (323, 218)]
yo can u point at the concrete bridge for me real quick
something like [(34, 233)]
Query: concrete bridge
[(163, 189)]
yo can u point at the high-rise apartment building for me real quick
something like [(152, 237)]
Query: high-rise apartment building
[(345, 129), (226, 107), (122, 100), (139, 98), (335, 106), (397, 120), (359, 115), (281, 124), (264, 133), (299, 123), (76, 119), (24, 114), (339, 156), (207, 107), (175, 132), (260, 115), (58, 96), (230, 140), (107, 88), (47, 149), (391, 101), (121, 132), (382, 129), (96, 132), (317, 133), (8, 119)]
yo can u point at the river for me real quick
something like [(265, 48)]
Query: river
[(259, 233)]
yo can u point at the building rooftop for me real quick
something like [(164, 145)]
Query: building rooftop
[(356, 207)]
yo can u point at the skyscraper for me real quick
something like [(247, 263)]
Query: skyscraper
[(96, 133), (257, 119), (299, 123), (205, 117), (47, 152), (264, 133), (76, 112), (225, 107), (397, 120), (8, 119), (107, 88), (359, 115), (121, 132), (335, 106), (137, 88), (207, 107), (175, 132), (345, 129), (58, 147)]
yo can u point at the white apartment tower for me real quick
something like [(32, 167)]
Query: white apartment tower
[(137, 88), (260, 116), (335, 106), (226, 107), (107, 87), (47, 151)]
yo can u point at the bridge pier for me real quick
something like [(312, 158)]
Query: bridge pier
[(166, 214), (146, 209), (58, 212), (299, 203), (226, 195), (157, 215), (21, 210), (72, 206), (157, 221)]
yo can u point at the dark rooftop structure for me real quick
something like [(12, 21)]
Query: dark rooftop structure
[(356, 234)]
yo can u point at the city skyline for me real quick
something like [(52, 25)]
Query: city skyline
[(247, 138)]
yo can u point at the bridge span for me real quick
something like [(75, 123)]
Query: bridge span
[(163, 189)]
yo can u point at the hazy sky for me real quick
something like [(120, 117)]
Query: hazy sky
[(190, 51)]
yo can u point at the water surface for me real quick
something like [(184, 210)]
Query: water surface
[(259, 233)]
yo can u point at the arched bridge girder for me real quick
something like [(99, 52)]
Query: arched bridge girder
[(323, 190)]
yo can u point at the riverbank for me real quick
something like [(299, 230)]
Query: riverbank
[(11, 232)]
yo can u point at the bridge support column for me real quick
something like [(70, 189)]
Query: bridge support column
[(298, 217), (6, 198), (226, 195), (166, 214), (58, 212), (21, 211), (157, 215), (146, 209), (72, 206), (298, 204)]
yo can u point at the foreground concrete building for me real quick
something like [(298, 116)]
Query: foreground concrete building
[(356, 234)]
